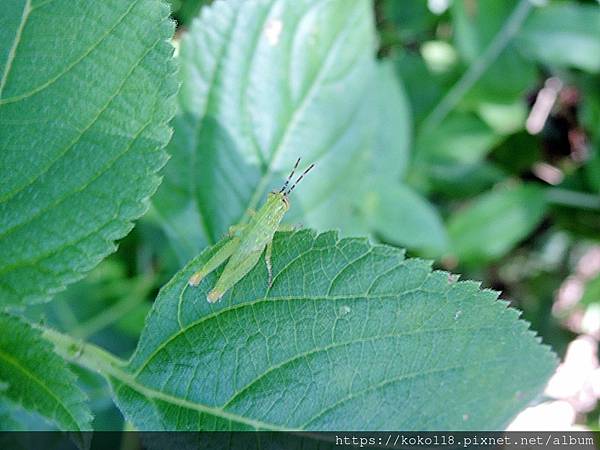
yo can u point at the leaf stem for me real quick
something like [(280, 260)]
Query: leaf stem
[(110, 315), (573, 199), (82, 353), (97, 359), (65, 315), (477, 69)]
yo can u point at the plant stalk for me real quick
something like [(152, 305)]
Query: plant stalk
[(84, 354), (573, 199), (478, 68), (116, 311)]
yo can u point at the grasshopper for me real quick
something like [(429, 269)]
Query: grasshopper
[(247, 241)]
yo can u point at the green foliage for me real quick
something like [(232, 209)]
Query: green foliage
[(461, 138), (490, 226), (401, 216), (254, 97), (476, 26), (184, 11), (591, 293), (564, 35), (36, 379), (345, 328), (81, 134), (417, 125)]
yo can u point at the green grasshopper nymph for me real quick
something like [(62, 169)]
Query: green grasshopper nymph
[(247, 241)]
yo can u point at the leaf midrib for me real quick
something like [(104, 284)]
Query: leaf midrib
[(13, 49)]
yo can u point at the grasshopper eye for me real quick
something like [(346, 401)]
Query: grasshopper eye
[(285, 201)]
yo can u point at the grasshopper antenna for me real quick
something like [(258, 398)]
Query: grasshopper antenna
[(287, 182), (299, 178)]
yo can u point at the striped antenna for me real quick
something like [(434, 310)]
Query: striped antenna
[(285, 185), (299, 178)]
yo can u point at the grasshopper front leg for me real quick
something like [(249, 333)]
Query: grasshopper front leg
[(215, 261)]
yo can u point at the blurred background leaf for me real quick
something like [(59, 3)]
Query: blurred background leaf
[(564, 34), (266, 83), (495, 222)]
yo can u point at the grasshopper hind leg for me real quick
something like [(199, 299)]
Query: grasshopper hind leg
[(214, 296), (215, 261)]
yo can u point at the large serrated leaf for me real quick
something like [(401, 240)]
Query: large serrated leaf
[(263, 83), (37, 379), (84, 105), (349, 336)]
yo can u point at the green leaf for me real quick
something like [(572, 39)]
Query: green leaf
[(7, 420), (476, 25), (424, 87), (456, 181), (111, 299), (461, 138), (393, 124), (566, 34), (184, 11), (591, 293), (592, 169), (503, 117), (263, 83), (349, 336), (495, 222), (85, 93), (384, 141), (509, 76), (518, 153), (411, 21), (37, 379), (403, 217)]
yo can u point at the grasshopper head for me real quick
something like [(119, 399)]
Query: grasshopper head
[(279, 197)]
